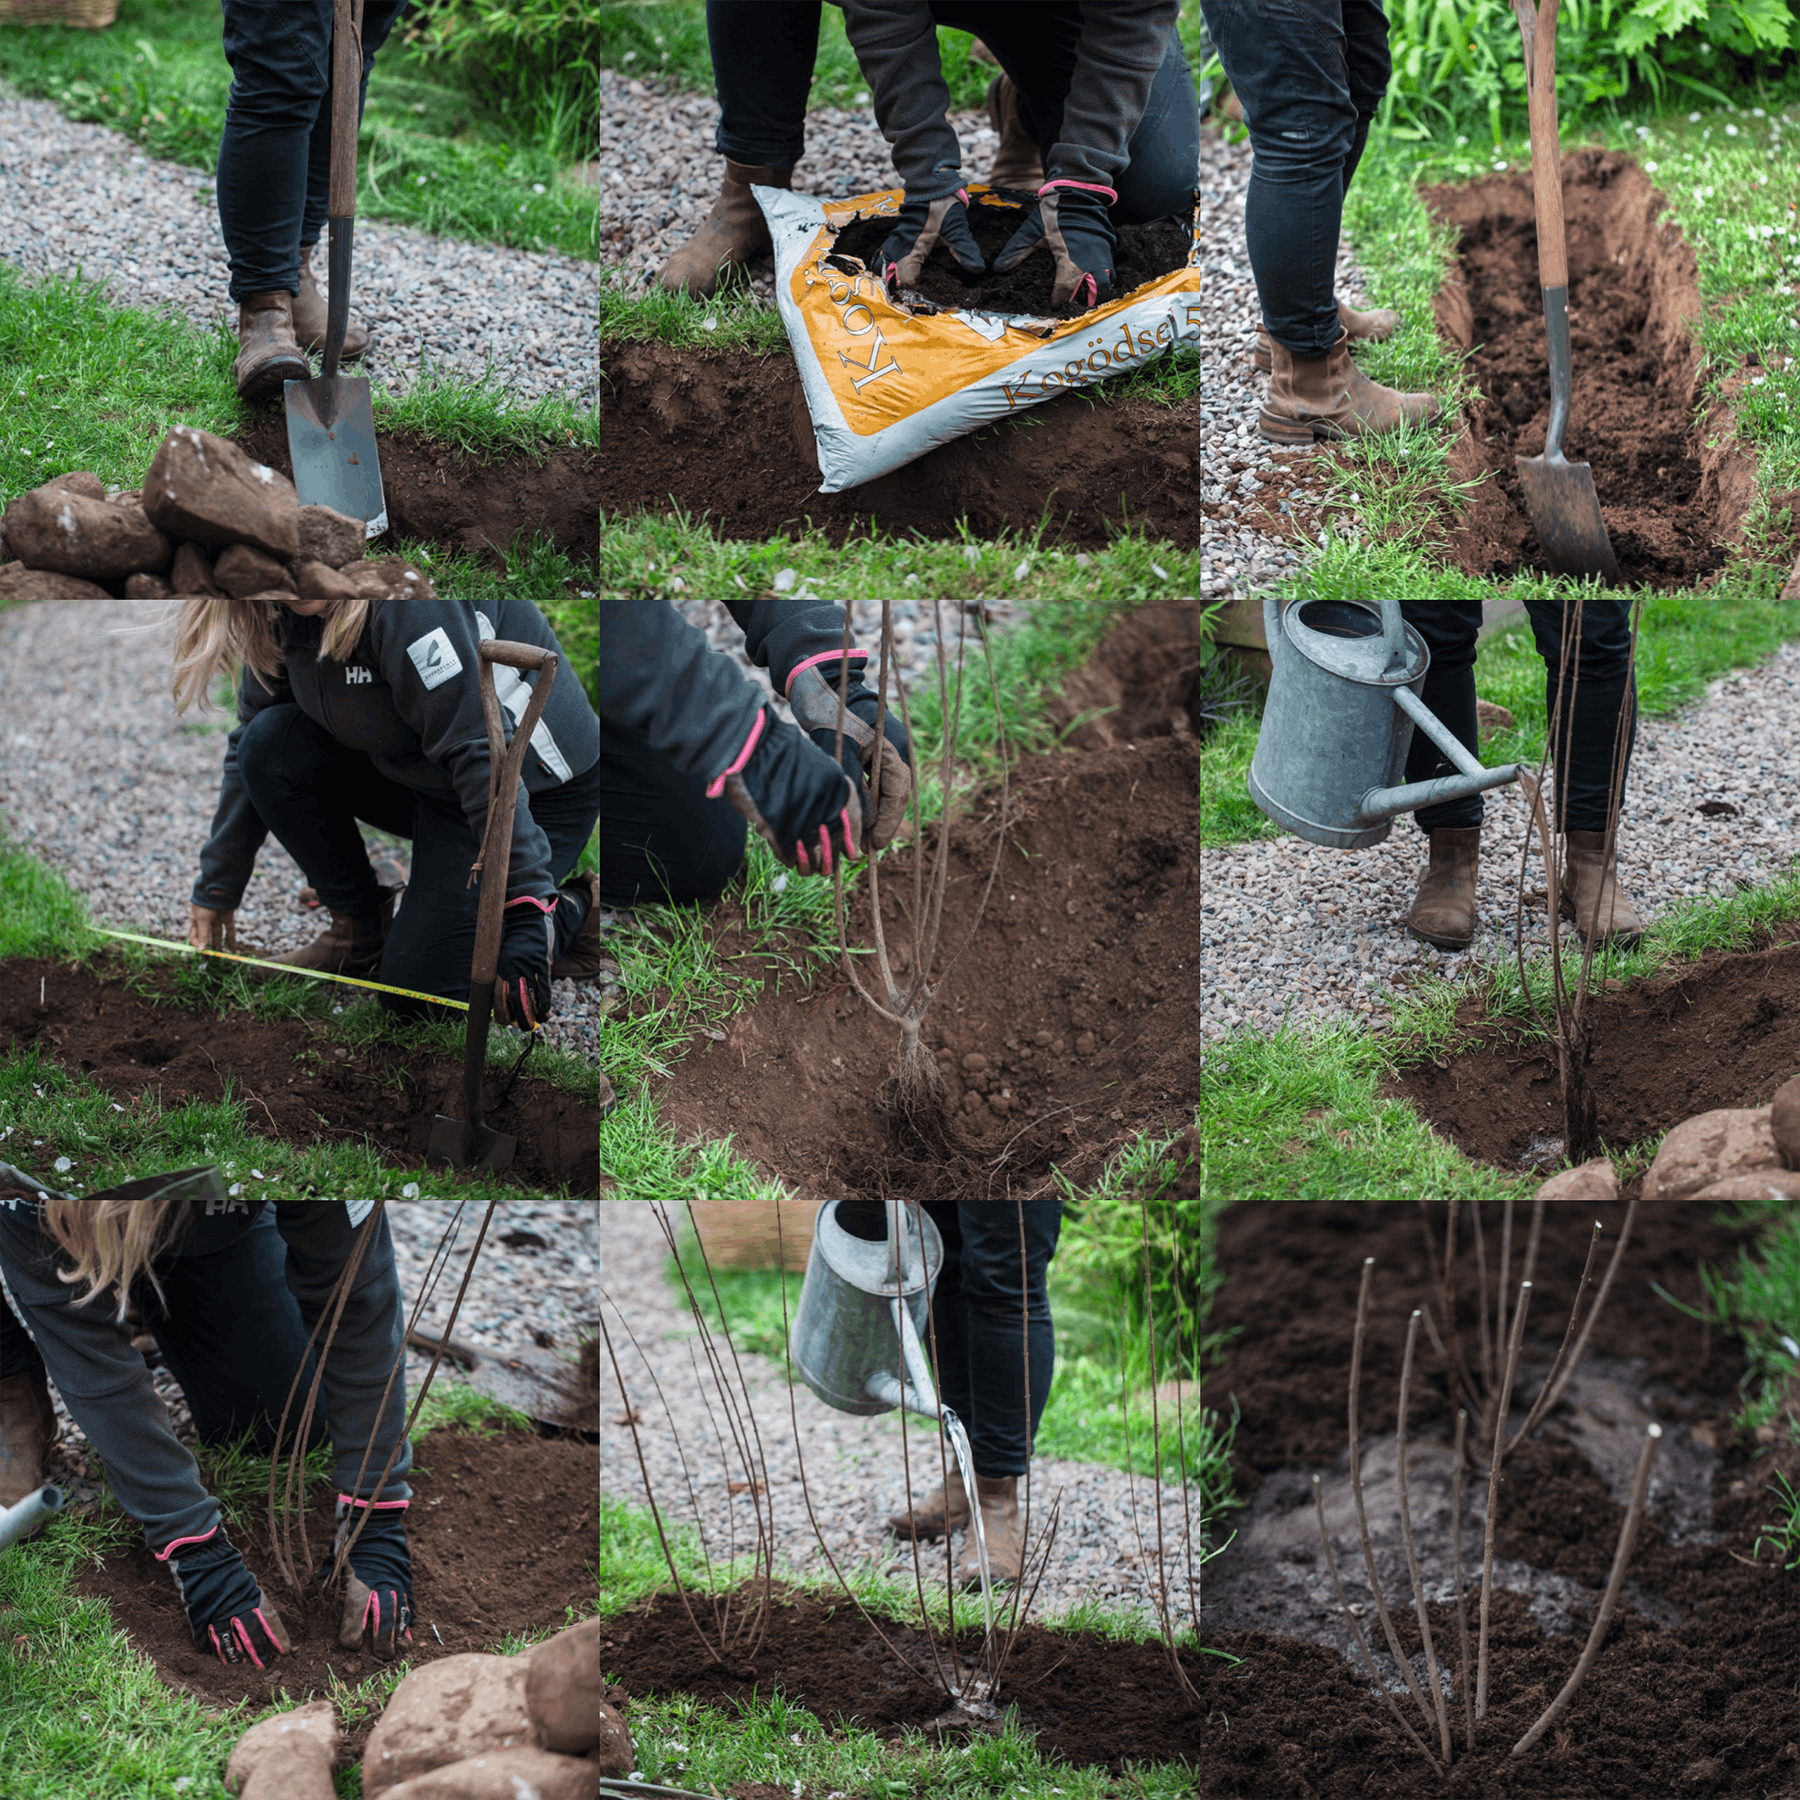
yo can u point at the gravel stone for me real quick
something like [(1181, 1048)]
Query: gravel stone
[(1292, 930)]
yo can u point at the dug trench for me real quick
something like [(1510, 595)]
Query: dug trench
[(1067, 1025), (297, 1083), (504, 1537), (1672, 492)]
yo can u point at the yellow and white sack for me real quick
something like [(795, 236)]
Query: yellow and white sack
[(884, 385)]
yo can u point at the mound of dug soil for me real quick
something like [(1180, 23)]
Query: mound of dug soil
[(1672, 506), (296, 1083), (1723, 1030), (1144, 252), (725, 436)]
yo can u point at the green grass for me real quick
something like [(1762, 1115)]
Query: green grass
[(1758, 1301)]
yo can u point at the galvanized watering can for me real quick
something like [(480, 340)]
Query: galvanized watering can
[(1343, 700)]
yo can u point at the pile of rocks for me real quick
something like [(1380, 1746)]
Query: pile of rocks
[(208, 521)]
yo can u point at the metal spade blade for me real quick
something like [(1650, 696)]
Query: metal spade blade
[(457, 1144), (1565, 511)]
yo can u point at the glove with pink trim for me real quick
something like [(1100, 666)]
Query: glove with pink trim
[(227, 1611), (795, 795), (522, 975), (1070, 219), (919, 227), (378, 1602)]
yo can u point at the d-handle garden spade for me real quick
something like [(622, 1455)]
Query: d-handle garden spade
[(331, 428), (467, 1143), (1558, 494)]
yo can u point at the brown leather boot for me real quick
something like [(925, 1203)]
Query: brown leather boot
[(1591, 891), (1312, 397), (309, 314), (999, 1501), (1360, 327), (582, 961), (1017, 163), (268, 352), (27, 1430), (1443, 911), (943, 1509), (732, 234), (350, 947)]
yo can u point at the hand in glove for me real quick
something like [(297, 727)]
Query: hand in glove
[(1070, 217), (801, 801), (227, 1611), (522, 975), (813, 694), (919, 228), (378, 1602)]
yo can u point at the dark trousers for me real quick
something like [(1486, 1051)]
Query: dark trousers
[(275, 152), (762, 55), (990, 1310), (311, 791), (661, 839), (229, 1330), (1309, 75), (1599, 684)]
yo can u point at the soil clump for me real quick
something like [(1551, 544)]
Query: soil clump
[(1672, 507), (503, 1533), (1144, 252), (1722, 1030), (296, 1082), (725, 437)]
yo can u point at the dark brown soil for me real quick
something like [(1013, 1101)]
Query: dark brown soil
[(295, 1083), (725, 437), (1672, 507), (1723, 1030), (438, 495), (1144, 252), (1088, 1701), (1067, 1026), (503, 1534)]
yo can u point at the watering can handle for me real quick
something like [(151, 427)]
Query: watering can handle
[(1393, 633)]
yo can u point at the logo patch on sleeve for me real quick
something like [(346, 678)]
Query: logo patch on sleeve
[(435, 658)]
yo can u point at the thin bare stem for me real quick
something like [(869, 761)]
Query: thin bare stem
[(1529, 1271), (1606, 1281), (1634, 1515), (1506, 1224), (1164, 1612), (1502, 1399), (1488, 1371), (1541, 1404), (1406, 1536), (1463, 1686)]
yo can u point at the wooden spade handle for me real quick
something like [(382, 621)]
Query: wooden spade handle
[(1538, 30), (346, 90)]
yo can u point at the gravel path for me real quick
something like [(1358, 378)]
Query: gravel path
[(852, 1464), (75, 194), (103, 781), (1293, 930)]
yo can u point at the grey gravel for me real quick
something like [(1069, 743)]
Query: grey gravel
[(1293, 930), (75, 195), (101, 779)]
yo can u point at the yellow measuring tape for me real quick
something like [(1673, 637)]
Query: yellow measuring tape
[(262, 962)]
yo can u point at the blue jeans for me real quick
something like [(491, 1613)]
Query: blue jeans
[(1309, 75), (660, 837), (1599, 675), (275, 152)]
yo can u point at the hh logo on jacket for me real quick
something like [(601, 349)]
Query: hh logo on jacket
[(356, 675)]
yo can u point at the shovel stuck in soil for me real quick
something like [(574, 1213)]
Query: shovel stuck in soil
[(1559, 494), (467, 1143), (331, 428)]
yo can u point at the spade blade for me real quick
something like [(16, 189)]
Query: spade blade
[(451, 1147), (1565, 510), (331, 438)]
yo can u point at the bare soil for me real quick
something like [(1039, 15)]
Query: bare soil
[(1673, 507), (295, 1082)]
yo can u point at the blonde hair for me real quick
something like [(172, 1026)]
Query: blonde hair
[(216, 635), (112, 1242)]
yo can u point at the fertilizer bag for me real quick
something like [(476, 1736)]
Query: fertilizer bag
[(885, 383)]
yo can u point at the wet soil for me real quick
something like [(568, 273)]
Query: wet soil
[(1064, 1029), (1722, 1030), (1144, 252), (295, 1082), (1088, 1701), (725, 437), (1672, 507), (503, 1534)]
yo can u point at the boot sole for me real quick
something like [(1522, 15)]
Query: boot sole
[(266, 383), (1438, 941), (1288, 431), (1625, 940)]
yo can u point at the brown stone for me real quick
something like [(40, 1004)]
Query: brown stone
[(1784, 1121), (54, 527), (332, 537), (1754, 1184), (20, 583), (1707, 1148), (203, 488), (1491, 717), (147, 587), (387, 579), (1790, 589), (287, 1756), (506, 1775), (321, 581), (191, 572), (562, 1690), (80, 481), (445, 1712), (242, 570), (1591, 1183)]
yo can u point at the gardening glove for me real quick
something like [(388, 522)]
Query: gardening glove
[(1070, 217), (212, 927), (796, 796), (378, 1601), (522, 975), (226, 1610), (813, 694), (919, 228)]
